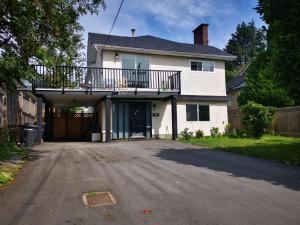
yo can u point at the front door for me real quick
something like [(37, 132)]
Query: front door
[(137, 119)]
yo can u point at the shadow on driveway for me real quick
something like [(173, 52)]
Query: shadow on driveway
[(236, 165)]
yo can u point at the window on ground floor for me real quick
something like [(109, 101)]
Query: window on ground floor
[(197, 112)]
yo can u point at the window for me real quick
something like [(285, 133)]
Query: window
[(202, 66), (195, 112), (191, 112), (203, 112)]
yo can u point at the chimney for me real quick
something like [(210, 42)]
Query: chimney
[(133, 32), (201, 34)]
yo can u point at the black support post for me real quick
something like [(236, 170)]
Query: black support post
[(47, 123), (174, 117), (39, 114), (107, 118)]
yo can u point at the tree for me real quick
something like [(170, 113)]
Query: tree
[(262, 84), (32, 31), (257, 118), (283, 35), (246, 43)]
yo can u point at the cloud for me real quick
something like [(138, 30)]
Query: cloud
[(173, 19), (184, 13)]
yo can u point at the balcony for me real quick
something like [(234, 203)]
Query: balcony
[(92, 79)]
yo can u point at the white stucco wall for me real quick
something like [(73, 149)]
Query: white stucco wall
[(192, 82), (162, 125), (218, 117)]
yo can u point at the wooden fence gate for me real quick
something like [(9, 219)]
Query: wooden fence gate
[(73, 126)]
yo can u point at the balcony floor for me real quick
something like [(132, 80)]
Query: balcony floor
[(84, 97)]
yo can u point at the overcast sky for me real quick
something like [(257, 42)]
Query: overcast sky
[(173, 19)]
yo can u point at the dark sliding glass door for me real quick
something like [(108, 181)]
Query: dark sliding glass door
[(131, 119)]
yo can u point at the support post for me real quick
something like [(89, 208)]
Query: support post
[(39, 114), (174, 117), (107, 118), (47, 122)]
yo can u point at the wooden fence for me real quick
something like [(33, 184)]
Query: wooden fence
[(287, 120), (16, 109)]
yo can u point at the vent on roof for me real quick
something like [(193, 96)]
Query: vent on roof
[(133, 32)]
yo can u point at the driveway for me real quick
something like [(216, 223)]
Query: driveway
[(180, 184)]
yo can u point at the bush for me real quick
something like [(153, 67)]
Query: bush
[(257, 119), (186, 134), (199, 134), (8, 148), (214, 132), (5, 177), (228, 130)]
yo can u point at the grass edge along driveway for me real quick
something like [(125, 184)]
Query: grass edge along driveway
[(12, 159), (277, 148)]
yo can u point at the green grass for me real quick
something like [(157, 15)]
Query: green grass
[(9, 149), (8, 170), (278, 148)]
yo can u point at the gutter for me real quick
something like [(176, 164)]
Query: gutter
[(162, 52)]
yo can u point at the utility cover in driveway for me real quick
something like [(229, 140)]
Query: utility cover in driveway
[(98, 198)]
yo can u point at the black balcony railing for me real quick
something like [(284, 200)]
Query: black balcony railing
[(93, 78)]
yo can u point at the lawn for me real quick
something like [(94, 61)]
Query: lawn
[(278, 148), (11, 160)]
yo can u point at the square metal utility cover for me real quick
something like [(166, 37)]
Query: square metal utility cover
[(98, 198)]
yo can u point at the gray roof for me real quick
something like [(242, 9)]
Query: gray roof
[(236, 83), (154, 43), (239, 80)]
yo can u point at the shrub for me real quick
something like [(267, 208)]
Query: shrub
[(199, 134), (186, 134), (257, 119), (5, 177), (228, 130), (214, 132)]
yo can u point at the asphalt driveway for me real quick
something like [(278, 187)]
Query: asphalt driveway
[(180, 184)]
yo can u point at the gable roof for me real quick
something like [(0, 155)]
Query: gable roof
[(158, 44), (238, 81)]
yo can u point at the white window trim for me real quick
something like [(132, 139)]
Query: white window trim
[(134, 55), (201, 71), (202, 121)]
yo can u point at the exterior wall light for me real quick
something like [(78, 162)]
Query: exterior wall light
[(116, 55)]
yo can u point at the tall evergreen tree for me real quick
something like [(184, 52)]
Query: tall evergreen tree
[(283, 35), (247, 42)]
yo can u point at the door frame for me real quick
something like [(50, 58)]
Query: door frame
[(145, 113), (116, 129)]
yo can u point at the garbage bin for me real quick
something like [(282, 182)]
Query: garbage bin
[(29, 134)]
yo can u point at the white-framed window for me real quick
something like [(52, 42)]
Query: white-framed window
[(135, 62), (206, 66), (197, 112)]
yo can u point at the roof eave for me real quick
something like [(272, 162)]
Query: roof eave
[(162, 52)]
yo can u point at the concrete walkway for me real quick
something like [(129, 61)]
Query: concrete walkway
[(180, 184)]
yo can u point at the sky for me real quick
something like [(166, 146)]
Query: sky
[(173, 19)]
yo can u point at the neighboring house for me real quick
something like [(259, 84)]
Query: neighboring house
[(144, 86), (233, 89)]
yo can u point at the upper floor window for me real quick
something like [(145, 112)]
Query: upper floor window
[(206, 66)]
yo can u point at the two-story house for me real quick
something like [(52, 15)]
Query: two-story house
[(145, 86)]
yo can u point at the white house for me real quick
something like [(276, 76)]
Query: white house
[(145, 86)]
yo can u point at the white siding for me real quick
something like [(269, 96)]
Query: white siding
[(192, 82)]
